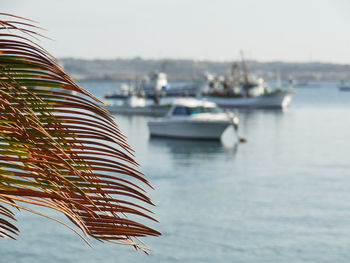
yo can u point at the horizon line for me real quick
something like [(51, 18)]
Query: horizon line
[(206, 60)]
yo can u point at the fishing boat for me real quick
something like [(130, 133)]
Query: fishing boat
[(149, 86), (277, 99), (190, 118), (131, 100), (237, 91)]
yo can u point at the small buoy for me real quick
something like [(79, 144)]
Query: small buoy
[(243, 139)]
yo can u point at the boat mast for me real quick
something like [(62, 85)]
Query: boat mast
[(278, 79), (245, 69), (236, 78)]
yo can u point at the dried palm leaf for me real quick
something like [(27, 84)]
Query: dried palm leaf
[(59, 149)]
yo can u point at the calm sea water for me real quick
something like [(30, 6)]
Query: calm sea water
[(282, 197)]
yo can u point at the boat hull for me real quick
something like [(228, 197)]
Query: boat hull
[(200, 130), (275, 100)]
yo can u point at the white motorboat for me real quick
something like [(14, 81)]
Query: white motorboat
[(193, 119)]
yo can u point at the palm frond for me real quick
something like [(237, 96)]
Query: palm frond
[(59, 149)]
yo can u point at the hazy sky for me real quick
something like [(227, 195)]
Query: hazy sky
[(267, 30)]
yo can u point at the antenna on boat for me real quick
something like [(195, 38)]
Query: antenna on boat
[(164, 64)]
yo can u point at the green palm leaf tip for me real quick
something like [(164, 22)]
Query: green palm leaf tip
[(60, 150)]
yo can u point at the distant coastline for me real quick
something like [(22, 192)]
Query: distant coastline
[(187, 70)]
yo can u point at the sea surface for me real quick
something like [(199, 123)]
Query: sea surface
[(282, 197)]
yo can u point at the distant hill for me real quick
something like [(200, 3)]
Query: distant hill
[(130, 69)]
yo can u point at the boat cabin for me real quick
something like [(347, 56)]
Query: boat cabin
[(189, 107)]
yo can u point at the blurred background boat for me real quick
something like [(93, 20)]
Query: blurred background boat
[(236, 90), (132, 100), (344, 86), (134, 105), (241, 90)]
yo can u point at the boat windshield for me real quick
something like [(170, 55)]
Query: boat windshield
[(196, 110), (181, 110)]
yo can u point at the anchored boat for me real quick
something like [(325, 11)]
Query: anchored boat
[(277, 99), (193, 119)]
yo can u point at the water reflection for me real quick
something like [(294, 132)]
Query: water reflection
[(258, 122), (249, 116), (193, 149), (259, 127)]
